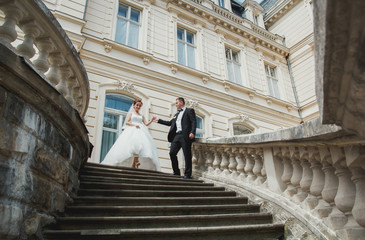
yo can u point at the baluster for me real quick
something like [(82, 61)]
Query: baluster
[(232, 162), (194, 159), (8, 33), (225, 160), (297, 193), (287, 173), (44, 46), (241, 164), (307, 176), (250, 163), (64, 72), (70, 84), (201, 157), (337, 219), (31, 31), (355, 156), (217, 160), (329, 191), (258, 156), (318, 178), (56, 60), (210, 158)]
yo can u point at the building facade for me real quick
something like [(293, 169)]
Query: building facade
[(229, 60)]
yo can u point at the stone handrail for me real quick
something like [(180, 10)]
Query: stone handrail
[(320, 180), (57, 60)]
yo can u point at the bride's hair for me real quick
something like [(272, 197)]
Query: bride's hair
[(136, 101)]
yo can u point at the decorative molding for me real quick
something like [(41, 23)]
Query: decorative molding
[(269, 101), (192, 104), (174, 69), (205, 79), (226, 86), (125, 86), (108, 47), (146, 60), (243, 117)]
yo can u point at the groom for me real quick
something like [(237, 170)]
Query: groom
[(181, 135)]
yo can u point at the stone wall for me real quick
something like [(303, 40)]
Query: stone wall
[(43, 143)]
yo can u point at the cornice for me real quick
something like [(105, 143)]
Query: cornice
[(278, 11), (225, 19)]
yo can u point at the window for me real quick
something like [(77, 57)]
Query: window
[(115, 111), (239, 129), (272, 81), (128, 23), (199, 127), (233, 66), (186, 48), (256, 19), (221, 3)]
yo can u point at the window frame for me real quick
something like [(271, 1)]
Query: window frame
[(234, 63), (200, 130), (186, 44), (129, 21), (243, 125), (270, 80)]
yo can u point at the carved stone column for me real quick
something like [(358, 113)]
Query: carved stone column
[(297, 175), (287, 173), (210, 158), (240, 163), (250, 163), (307, 177), (318, 179), (258, 156), (31, 31), (225, 160), (217, 159), (232, 162)]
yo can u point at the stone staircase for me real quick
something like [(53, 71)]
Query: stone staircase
[(126, 203)]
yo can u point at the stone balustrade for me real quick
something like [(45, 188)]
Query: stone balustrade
[(38, 37), (319, 181)]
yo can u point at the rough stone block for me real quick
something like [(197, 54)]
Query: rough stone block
[(14, 110), (42, 190), (11, 218), (58, 200), (47, 162)]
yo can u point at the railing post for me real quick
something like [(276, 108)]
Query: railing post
[(232, 161), (307, 176), (258, 166), (318, 178), (8, 33), (287, 173), (297, 175)]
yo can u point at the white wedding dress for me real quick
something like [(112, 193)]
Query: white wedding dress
[(134, 142)]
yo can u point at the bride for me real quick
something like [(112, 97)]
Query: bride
[(134, 146)]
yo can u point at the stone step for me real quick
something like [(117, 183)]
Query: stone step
[(151, 201), (81, 223), (161, 210), (172, 181), (152, 193), (133, 175), (238, 232), (133, 186)]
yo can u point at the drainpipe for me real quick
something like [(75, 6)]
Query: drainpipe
[(293, 85)]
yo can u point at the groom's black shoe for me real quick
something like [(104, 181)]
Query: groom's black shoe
[(187, 177)]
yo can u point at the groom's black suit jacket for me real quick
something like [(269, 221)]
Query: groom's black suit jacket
[(188, 124)]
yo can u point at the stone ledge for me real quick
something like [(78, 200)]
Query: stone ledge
[(308, 131)]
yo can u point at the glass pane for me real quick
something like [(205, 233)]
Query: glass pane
[(221, 3), (191, 57), (230, 71), (237, 73), (273, 72), (110, 121), (267, 70), (228, 54), (107, 142), (235, 57), (180, 34), (199, 122), (276, 91), (133, 35), (118, 102), (240, 129), (271, 90), (135, 15), (123, 10), (190, 38), (120, 35), (181, 53)]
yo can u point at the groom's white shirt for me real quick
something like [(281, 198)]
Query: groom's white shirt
[(178, 120)]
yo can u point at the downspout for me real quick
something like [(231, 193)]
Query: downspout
[(293, 85)]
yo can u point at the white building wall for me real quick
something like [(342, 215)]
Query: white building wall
[(158, 79)]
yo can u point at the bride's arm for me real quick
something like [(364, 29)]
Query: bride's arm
[(128, 121), (147, 123)]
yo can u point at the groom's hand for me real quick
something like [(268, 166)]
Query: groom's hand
[(191, 136)]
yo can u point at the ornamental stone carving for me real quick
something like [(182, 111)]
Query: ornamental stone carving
[(125, 86)]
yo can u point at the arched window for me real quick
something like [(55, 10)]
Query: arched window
[(199, 127), (239, 129), (115, 111)]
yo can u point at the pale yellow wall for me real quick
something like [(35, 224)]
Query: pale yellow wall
[(158, 79), (297, 27)]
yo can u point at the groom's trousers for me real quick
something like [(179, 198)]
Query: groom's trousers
[(178, 143)]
